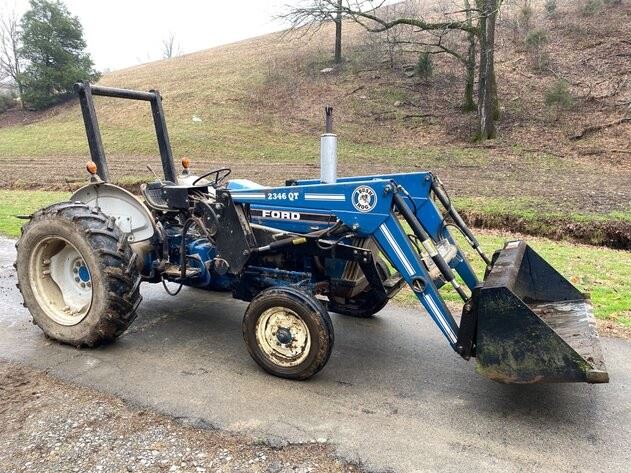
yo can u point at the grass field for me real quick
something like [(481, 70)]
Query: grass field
[(257, 106), (14, 203), (603, 272)]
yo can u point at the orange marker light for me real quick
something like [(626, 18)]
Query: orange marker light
[(91, 167), (186, 163)]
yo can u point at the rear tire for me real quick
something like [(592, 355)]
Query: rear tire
[(288, 333), (77, 274)]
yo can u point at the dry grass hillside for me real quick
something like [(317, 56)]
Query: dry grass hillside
[(257, 106)]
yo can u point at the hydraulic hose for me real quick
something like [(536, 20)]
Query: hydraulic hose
[(443, 197), (426, 241)]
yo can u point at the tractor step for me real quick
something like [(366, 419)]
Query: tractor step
[(394, 284)]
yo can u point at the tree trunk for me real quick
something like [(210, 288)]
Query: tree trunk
[(338, 33), (496, 101), (18, 74), (469, 104), (486, 88)]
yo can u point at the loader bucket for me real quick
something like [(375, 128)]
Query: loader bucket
[(533, 325)]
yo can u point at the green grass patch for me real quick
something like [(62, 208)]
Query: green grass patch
[(533, 210), (14, 203), (604, 273), (534, 216)]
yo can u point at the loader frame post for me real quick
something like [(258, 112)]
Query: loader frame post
[(396, 245), (86, 91)]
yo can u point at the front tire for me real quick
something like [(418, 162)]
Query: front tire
[(77, 275), (288, 332)]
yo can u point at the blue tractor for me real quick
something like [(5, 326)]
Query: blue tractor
[(296, 252)]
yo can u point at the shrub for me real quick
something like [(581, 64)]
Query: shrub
[(592, 7), (7, 101), (559, 95), (424, 66), (551, 7), (536, 38), (535, 41)]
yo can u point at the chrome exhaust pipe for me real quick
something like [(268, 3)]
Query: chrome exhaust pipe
[(328, 150)]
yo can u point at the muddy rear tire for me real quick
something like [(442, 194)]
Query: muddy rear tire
[(77, 274)]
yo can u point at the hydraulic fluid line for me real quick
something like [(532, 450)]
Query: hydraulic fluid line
[(441, 193), (426, 241)]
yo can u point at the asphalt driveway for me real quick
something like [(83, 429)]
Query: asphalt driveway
[(393, 396)]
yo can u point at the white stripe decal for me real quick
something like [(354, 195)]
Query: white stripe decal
[(248, 196), (441, 319), (336, 197), (397, 249), (428, 298)]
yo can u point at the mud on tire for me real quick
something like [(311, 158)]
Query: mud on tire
[(72, 243)]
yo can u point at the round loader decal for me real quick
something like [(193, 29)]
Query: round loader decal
[(364, 198)]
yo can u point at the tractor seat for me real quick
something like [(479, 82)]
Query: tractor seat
[(154, 197)]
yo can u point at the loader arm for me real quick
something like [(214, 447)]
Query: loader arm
[(367, 206)]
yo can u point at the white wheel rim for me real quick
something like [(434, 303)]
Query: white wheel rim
[(283, 336), (61, 281)]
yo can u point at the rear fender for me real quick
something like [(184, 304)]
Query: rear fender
[(131, 215)]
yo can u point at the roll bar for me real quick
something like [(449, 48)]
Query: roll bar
[(97, 153)]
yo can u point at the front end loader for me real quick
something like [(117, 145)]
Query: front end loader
[(296, 252)]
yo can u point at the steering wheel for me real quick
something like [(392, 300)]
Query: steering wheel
[(220, 176)]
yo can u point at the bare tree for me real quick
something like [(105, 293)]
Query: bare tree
[(170, 47), (338, 33), (446, 41), (10, 59), (307, 16), (477, 22), (487, 85), (470, 62)]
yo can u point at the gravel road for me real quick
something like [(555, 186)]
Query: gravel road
[(50, 425)]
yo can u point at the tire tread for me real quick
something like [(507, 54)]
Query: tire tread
[(116, 262)]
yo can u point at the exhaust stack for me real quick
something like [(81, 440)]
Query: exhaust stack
[(328, 150)]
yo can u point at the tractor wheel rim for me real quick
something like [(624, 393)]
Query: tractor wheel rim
[(283, 336), (61, 281)]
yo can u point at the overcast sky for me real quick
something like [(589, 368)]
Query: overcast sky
[(122, 33)]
